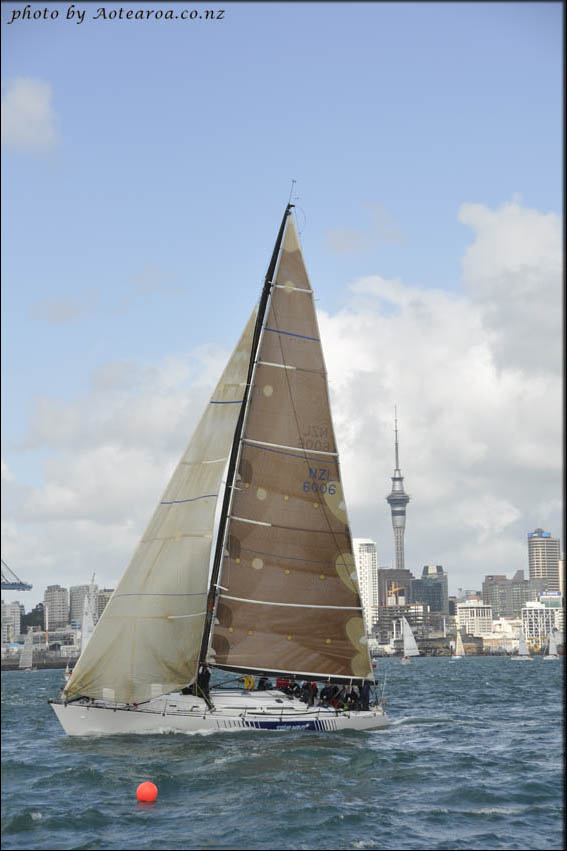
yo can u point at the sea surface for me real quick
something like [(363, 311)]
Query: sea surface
[(472, 759)]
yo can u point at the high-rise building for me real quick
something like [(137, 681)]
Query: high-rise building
[(11, 619), (397, 500), (508, 596), (544, 555), (367, 571), (103, 595), (431, 589), (77, 594), (56, 607)]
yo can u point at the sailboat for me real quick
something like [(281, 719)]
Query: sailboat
[(410, 644), (523, 652), (247, 564), (551, 647), (26, 656), (459, 648)]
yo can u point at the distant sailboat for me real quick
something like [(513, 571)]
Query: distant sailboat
[(26, 656), (459, 648), (410, 644), (552, 647), (523, 652)]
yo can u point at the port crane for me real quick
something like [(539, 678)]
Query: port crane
[(11, 582)]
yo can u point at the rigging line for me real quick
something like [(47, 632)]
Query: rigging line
[(293, 182)]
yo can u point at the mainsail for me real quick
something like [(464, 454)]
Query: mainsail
[(289, 600), (148, 638)]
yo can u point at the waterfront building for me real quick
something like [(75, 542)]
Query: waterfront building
[(504, 637), (555, 601), (538, 621), (56, 607), (508, 596), (394, 586), (431, 589), (367, 572), (11, 620), (544, 556), (475, 618), (103, 595), (398, 500)]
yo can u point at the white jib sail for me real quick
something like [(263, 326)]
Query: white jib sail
[(410, 645), (26, 657), (87, 624), (459, 647), (148, 638)]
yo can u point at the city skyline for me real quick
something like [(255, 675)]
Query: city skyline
[(428, 196)]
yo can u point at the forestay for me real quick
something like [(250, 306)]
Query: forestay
[(289, 600), (148, 638)]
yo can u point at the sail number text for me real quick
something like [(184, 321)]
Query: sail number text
[(320, 481)]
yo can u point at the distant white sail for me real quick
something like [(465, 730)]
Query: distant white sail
[(410, 645), (552, 647), (459, 647), (87, 624), (26, 657), (523, 647)]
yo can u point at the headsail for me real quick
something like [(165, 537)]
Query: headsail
[(289, 598), (148, 638), (410, 644), (26, 656), (87, 624)]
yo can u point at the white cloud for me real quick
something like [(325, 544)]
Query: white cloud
[(28, 118), (480, 423), (513, 272)]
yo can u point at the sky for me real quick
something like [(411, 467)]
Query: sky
[(145, 168)]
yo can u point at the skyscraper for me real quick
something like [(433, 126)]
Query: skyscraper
[(431, 589), (544, 555), (397, 500), (56, 607), (367, 570)]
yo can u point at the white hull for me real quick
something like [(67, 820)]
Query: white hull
[(233, 710), (522, 658)]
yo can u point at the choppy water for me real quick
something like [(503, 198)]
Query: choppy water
[(472, 760)]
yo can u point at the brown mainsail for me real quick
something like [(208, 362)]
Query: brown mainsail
[(288, 598)]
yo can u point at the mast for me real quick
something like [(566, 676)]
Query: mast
[(236, 441)]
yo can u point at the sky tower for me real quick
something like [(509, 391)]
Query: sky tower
[(398, 499)]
